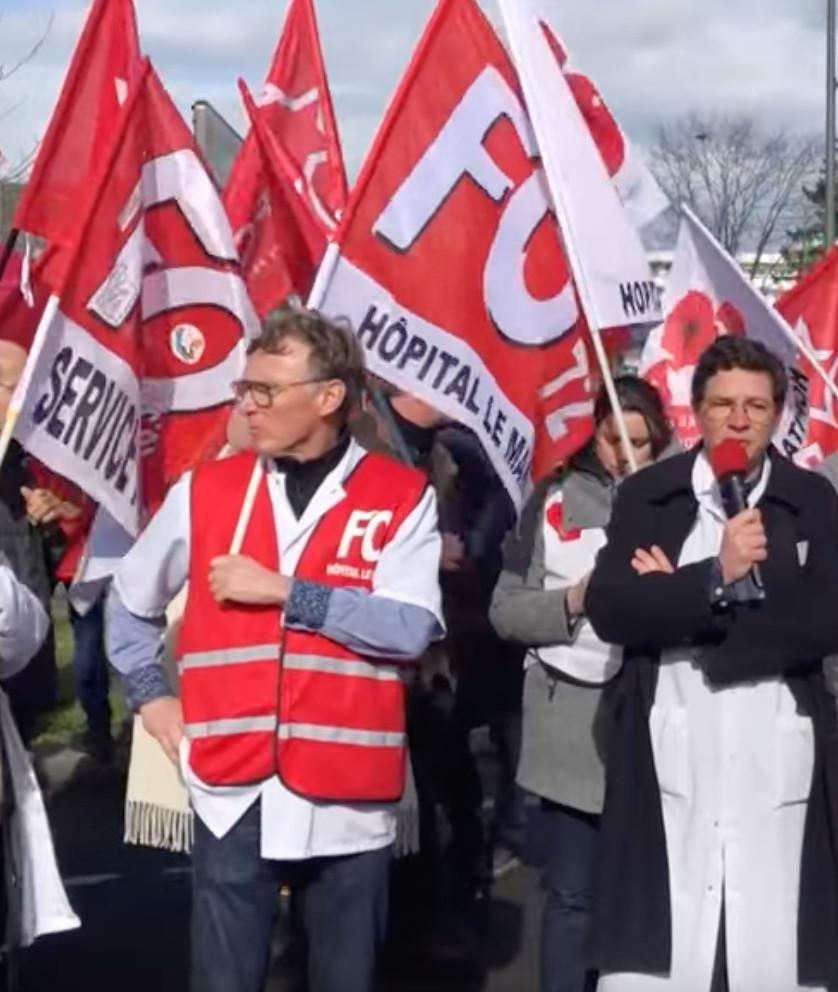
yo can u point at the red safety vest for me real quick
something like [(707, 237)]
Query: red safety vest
[(260, 699)]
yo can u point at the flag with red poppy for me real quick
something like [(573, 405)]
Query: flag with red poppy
[(639, 191), (707, 296), (603, 243)]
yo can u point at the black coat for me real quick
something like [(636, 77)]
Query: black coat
[(788, 635)]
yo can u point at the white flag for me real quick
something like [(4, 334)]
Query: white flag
[(707, 296), (603, 244)]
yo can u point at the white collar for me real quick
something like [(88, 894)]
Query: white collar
[(706, 486)]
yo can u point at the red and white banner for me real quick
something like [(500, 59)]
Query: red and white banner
[(638, 189), (295, 110), (129, 375), (105, 65), (449, 263), (603, 243), (707, 295), (811, 308), (288, 232)]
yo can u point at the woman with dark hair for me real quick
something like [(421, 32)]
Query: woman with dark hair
[(539, 603)]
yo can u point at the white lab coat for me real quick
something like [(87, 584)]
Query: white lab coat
[(44, 905), (734, 767)]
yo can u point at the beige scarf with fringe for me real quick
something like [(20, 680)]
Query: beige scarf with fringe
[(157, 812)]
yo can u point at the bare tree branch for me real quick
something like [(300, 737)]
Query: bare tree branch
[(33, 51), (19, 170), (745, 183)]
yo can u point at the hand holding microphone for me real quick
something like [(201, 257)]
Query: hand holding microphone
[(744, 546), (744, 543)]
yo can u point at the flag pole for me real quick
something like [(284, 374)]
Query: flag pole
[(8, 248), (584, 292), (18, 399), (586, 299)]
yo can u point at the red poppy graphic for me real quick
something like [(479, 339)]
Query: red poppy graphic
[(731, 319), (603, 127), (689, 329), (555, 517)]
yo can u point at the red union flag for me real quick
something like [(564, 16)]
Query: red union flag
[(287, 240), (294, 111), (105, 65), (129, 375), (811, 308), (448, 261)]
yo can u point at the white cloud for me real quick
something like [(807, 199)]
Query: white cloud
[(653, 59)]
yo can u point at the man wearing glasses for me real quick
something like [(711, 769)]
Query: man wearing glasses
[(717, 866), (312, 569)]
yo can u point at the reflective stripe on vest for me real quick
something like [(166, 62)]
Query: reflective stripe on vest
[(339, 666), (229, 656), (227, 728), (294, 731), (339, 735)]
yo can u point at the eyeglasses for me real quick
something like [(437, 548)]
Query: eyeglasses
[(720, 408), (263, 393)]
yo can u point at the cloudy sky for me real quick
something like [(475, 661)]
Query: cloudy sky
[(653, 59)]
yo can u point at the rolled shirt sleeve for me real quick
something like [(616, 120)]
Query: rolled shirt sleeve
[(23, 622), (398, 618), (148, 579), (402, 614)]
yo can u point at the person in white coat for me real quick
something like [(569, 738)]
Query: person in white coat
[(717, 865), (41, 905)]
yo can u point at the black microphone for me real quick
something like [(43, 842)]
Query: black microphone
[(729, 460)]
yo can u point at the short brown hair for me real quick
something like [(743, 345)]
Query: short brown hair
[(731, 352), (335, 351)]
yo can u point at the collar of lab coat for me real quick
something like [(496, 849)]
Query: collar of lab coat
[(706, 486), (330, 492)]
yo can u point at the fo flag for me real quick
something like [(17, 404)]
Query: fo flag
[(811, 308), (449, 264), (604, 244), (129, 375), (707, 296), (295, 112), (105, 64)]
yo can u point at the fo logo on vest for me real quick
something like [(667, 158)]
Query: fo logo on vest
[(366, 526)]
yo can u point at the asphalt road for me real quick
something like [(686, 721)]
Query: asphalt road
[(134, 904)]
